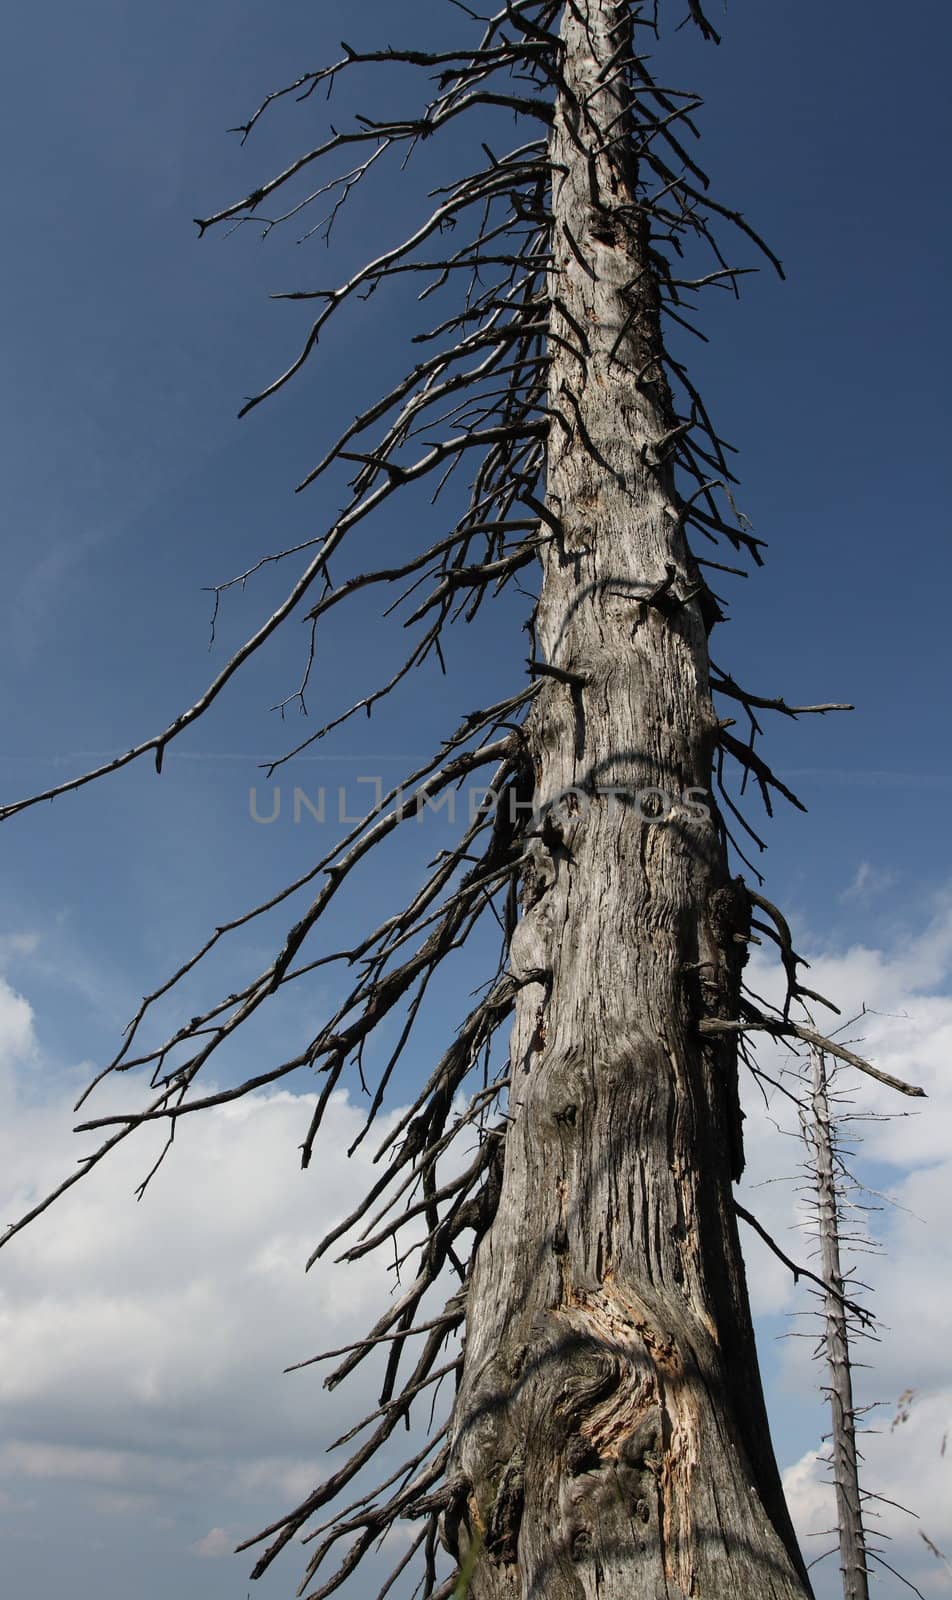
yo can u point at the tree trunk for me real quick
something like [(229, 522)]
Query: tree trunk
[(849, 1503), (610, 1436)]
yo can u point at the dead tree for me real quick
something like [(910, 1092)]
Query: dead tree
[(837, 1203), (608, 1433), (854, 1564)]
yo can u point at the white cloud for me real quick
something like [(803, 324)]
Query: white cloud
[(215, 1543), (908, 1033), (905, 1468), (285, 1478), (810, 1498), (17, 1039), (907, 1156), (868, 881), (141, 1346), (37, 1460), (18, 1047)]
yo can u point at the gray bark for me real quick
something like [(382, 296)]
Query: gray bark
[(849, 1505), (610, 1437)]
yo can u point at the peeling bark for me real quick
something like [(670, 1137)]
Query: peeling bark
[(610, 1437)]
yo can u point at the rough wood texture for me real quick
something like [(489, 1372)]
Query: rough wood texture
[(610, 1438)]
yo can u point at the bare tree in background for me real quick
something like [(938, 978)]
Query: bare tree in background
[(608, 1435), (837, 1205), (828, 1171)]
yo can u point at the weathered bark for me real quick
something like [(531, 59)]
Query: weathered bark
[(849, 1504), (610, 1436)]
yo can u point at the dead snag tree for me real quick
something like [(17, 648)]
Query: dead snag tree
[(608, 1434), (828, 1177)]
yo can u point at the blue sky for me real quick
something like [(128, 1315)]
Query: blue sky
[(130, 487)]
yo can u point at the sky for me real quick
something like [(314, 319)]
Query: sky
[(143, 1410)]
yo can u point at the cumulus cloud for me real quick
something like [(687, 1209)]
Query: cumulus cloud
[(215, 1543), (905, 1156), (905, 1468), (902, 1002), (142, 1345), (17, 1038)]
